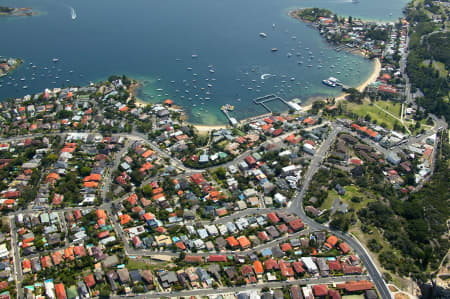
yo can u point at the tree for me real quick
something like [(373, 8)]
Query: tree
[(221, 173), (340, 222), (374, 245), (85, 171), (147, 190), (354, 95)]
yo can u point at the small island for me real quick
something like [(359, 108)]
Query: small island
[(16, 12), (351, 34), (7, 65)]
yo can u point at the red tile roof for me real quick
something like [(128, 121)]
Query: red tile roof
[(320, 290), (271, 264), (332, 240), (257, 265), (298, 267), (273, 217), (286, 246), (344, 247), (89, 280), (296, 224), (217, 258), (60, 291)]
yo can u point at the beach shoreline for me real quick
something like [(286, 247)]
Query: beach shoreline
[(372, 78), (202, 128)]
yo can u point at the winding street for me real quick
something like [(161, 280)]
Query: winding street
[(297, 208)]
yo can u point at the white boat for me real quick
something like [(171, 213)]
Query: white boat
[(265, 76), (194, 55), (212, 71), (73, 13), (262, 34), (55, 59), (329, 83), (274, 49)]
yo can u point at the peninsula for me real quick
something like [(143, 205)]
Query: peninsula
[(16, 12), (354, 35), (7, 65)]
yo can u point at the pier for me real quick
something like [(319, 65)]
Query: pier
[(267, 98), (231, 119)]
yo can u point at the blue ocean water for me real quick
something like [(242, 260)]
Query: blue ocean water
[(154, 41)]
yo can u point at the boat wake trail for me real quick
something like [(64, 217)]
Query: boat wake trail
[(73, 13)]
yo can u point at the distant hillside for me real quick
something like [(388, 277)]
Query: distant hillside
[(429, 57)]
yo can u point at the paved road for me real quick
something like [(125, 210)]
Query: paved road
[(107, 181), (297, 207), (277, 284), (18, 275), (152, 253)]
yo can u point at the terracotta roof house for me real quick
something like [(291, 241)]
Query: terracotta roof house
[(60, 291), (320, 290), (247, 270), (244, 242), (193, 259), (344, 247), (89, 280), (271, 264), (57, 258), (217, 258), (296, 224), (334, 294), (273, 217), (332, 240), (298, 267), (232, 242), (286, 247), (356, 286), (257, 265)]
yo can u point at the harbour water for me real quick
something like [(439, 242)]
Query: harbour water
[(200, 53)]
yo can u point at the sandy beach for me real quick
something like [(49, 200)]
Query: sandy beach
[(373, 77), (202, 129), (207, 128)]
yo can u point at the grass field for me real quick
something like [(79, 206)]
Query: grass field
[(351, 191), (441, 68), (134, 264), (366, 108)]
